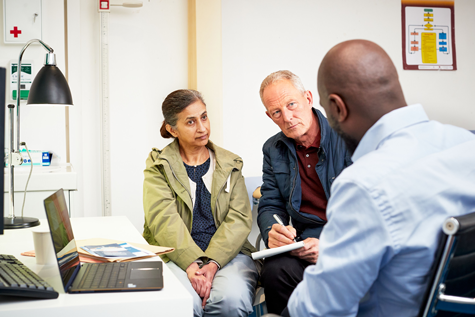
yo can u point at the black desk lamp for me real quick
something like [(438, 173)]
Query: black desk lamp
[(48, 88)]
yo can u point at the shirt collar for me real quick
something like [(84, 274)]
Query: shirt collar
[(387, 125)]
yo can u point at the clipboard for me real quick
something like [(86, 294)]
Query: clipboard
[(274, 251)]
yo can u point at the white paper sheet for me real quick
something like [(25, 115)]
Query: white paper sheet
[(274, 251)]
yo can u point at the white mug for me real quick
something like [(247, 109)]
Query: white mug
[(44, 250)]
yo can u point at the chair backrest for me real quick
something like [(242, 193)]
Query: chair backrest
[(451, 289), (251, 184)]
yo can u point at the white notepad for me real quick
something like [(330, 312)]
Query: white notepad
[(274, 251)]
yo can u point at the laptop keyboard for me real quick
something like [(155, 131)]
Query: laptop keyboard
[(104, 275), (16, 279)]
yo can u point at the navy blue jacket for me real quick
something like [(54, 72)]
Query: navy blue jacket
[(281, 190)]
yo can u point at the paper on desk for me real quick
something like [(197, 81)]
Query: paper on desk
[(156, 250), (89, 258), (115, 250), (274, 251)]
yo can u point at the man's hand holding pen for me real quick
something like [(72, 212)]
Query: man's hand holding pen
[(281, 235)]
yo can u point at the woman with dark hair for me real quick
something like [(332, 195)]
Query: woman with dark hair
[(195, 200)]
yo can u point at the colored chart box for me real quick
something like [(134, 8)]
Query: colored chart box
[(442, 36), (429, 48), (442, 43), (443, 49), (414, 33), (415, 48), (414, 42)]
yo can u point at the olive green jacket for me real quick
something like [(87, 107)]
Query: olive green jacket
[(168, 207)]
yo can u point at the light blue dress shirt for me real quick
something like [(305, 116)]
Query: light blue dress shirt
[(385, 216)]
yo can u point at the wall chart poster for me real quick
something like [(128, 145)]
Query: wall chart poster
[(428, 35)]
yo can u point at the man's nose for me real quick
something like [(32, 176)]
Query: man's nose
[(287, 115)]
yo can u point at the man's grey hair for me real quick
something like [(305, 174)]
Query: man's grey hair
[(282, 75)]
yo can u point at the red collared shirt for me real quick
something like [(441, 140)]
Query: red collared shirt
[(314, 200)]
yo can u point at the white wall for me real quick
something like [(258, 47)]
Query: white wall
[(83, 51), (148, 54), (260, 37), (147, 60)]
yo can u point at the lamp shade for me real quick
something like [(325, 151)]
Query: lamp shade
[(50, 88)]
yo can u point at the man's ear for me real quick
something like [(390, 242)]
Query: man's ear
[(338, 108), (309, 97), (171, 131)]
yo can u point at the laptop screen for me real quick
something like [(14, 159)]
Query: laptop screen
[(63, 238)]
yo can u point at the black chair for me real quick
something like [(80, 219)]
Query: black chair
[(451, 289)]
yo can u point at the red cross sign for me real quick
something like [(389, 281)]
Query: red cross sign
[(15, 32)]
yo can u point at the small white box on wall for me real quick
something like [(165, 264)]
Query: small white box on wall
[(22, 21)]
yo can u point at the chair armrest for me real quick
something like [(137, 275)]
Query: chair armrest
[(457, 304), (456, 299)]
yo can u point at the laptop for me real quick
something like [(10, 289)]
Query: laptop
[(80, 277)]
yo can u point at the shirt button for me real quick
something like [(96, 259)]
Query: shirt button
[(307, 155), (308, 166)]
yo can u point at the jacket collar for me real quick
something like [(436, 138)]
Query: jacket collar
[(171, 160), (325, 131), (387, 125)]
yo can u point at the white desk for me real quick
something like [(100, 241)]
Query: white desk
[(172, 300)]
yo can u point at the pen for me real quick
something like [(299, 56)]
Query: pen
[(277, 218)]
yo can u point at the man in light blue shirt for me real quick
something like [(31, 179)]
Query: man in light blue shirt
[(386, 210)]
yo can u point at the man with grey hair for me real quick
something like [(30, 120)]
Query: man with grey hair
[(300, 164)]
